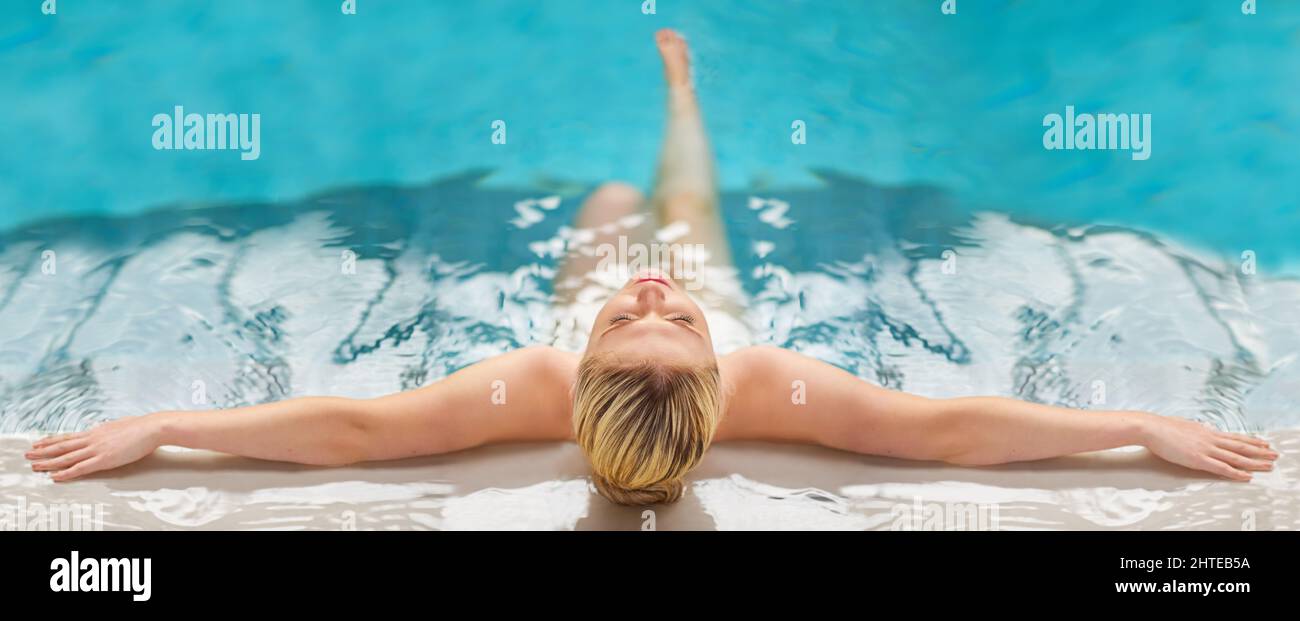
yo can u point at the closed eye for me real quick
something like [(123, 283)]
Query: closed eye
[(684, 318), (620, 317)]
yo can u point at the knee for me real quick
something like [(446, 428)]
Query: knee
[(617, 193)]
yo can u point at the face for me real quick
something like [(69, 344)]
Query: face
[(652, 317)]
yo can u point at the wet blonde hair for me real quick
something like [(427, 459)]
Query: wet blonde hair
[(644, 425)]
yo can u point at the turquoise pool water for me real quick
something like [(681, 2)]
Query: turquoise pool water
[(182, 272), (892, 91)]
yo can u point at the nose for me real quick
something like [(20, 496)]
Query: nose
[(650, 296)]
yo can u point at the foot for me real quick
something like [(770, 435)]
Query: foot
[(677, 62)]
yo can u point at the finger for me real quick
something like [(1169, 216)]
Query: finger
[(1212, 465), (1249, 450), (1241, 462), (54, 450), (80, 470), (59, 463), (1245, 438), (48, 440)]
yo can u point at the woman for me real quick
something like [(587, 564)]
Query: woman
[(648, 396)]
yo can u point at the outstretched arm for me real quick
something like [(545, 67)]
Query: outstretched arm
[(841, 411), (522, 395)]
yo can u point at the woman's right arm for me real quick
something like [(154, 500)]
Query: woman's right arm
[(785, 396), (518, 396)]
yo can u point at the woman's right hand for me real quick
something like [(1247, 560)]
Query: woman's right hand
[(1199, 446), (104, 447)]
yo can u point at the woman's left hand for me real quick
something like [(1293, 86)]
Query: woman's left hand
[(106, 446)]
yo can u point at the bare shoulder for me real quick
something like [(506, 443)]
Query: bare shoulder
[(556, 369), (781, 395), (756, 364), (747, 376), (530, 394), (558, 366)]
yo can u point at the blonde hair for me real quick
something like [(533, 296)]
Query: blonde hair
[(644, 425)]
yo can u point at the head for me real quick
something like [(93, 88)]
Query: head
[(647, 400)]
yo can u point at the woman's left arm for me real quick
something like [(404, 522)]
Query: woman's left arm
[(782, 395)]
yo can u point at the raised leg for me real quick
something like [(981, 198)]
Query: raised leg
[(686, 188)]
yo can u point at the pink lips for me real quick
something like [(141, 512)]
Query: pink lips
[(654, 279)]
